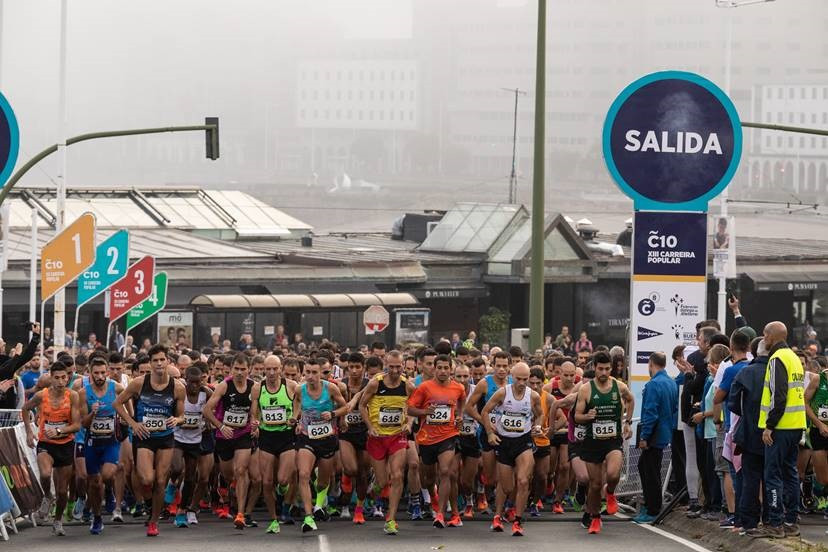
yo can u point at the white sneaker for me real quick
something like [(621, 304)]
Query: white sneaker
[(77, 511), (45, 508), (57, 529), (346, 513), (192, 518), (117, 516), (377, 513)]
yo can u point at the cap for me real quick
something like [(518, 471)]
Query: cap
[(747, 330)]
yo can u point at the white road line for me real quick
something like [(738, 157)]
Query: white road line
[(323, 544), (689, 544)]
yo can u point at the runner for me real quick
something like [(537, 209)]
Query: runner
[(159, 408), (102, 448), (228, 410), (58, 420), (439, 405), (189, 457), (483, 392), (382, 406), (425, 366), (543, 445), (816, 406), (469, 445), (356, 464), (559, 387), (316, 405), (601, 406), (519, 420), (271, 412)]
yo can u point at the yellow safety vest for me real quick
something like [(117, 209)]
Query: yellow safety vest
[(794, 416)]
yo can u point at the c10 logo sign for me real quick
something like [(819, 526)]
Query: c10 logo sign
[(672, 141), (661, 242)]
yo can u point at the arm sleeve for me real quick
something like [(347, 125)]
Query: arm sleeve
[(778, 381), (10, 367), (734, 398), (740, 321)]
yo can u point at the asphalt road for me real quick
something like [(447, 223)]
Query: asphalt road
[(562, 532)]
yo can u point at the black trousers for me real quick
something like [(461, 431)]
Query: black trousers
[(750, 507), (649, 468), (679, 457)]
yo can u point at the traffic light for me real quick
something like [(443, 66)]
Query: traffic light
[(212, 138)]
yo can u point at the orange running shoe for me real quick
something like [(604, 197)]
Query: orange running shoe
[(482, 503), (439, 521), (510, 514), (557, 508), (455, 521), (497, 525), (239, 521), (359, 515), (468, 513), (612, 504), (152, 529), (540, 505), (595, 526), (517, 529), (224, 512)]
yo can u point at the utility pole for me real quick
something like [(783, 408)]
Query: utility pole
[(536, 279), (513, 177), (59, 322)]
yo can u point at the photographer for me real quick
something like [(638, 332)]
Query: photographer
[(10, 365)]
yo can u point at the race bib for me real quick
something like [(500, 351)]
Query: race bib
[(604, 429), (515, 423), (274, 415), (55, 425), (235, 419), (440, 416), (320, 429), (192, 420), (155, 422), (493, 418), (823, 413), (102, 427), (580, 432), (469, 427), (389, 417), (354, 417)]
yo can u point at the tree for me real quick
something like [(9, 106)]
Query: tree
[(494, 327)]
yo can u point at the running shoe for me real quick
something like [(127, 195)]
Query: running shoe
[(728, 522), (309, 524), (416, 513), (468, 513), (320, 514), (152, 529), (238, 521), (497, 525), (517, 529), (117, 516), (482, 505), (345, 513), (359, 516), (612, 504), (644, 518), (533, 510), (455, 521), (138, 510), (273, 528), (390, 527), (224, 511), (377, 513), (192, 518), (97, 526), (169, 494), (57, 529), (557, 508), (181, 520), (109, 507), (585, 520), (77, 510), (86, 515), (45, 508), (510, 514), (249, 521), (439, 521), (595, 526)]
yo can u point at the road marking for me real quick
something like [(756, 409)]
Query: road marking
[(689, 544), (323, 544)]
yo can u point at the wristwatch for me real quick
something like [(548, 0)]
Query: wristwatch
[(57, 430)]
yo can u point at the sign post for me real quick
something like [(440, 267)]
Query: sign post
[(65, 258), (376, 319), (672, 141), (151, 306), (130, 290), (111, 260)]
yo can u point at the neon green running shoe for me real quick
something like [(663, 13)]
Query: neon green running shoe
[(390, 527), (309, 524), (273, 527)]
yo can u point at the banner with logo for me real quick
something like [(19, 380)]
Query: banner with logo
[(175, 328), (669, 284), (18, 474), (724, 246)]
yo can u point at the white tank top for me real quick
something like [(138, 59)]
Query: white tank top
[(515, 414), (190, 431), (469, 425)]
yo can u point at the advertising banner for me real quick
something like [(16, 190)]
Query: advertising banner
[(15, 469)]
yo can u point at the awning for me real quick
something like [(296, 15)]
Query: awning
[(802, 277), (319, 300)]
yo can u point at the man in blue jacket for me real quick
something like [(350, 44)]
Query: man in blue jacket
[(659, 415)]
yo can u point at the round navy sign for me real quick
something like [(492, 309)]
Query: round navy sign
[(672, 141), (9, 140)]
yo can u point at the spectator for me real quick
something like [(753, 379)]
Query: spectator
[(455, 341), (745, 400), (583, 343), (811, 340), (48, 341), (782, 419), (92, 342), (278, 339), (470, 342), (12, 389), (688, 435), (564, 341), (129, 346), (659, 415)]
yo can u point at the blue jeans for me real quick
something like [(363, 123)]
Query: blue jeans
[(781, 477), (736, 479)]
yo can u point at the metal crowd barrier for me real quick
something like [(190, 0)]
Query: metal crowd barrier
[(10, 417), (630, 483)]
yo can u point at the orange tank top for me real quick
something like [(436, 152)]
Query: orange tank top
[(542, 440), (55, 417)]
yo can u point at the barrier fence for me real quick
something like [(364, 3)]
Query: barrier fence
[(630, 483)]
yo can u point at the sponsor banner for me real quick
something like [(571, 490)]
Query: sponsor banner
[(724, 246), (664, 314), (18, 474), (175, 328), (670, 244)]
